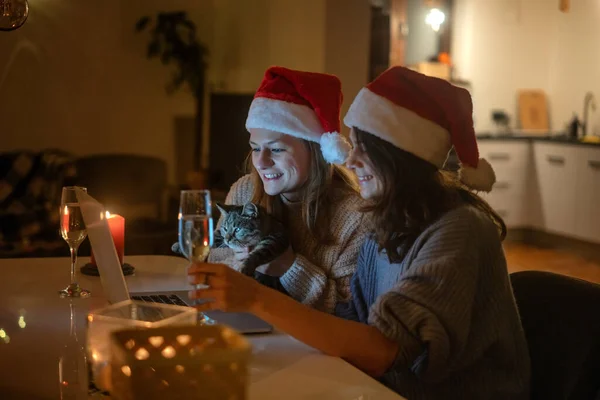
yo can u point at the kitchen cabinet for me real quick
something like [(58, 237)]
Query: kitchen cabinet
[(511, 162), (545, 185), (556, 170), (587, 203)]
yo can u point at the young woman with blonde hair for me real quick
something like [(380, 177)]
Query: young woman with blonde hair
[(296, 147)]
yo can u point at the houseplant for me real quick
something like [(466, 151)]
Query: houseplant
[(173, 40)]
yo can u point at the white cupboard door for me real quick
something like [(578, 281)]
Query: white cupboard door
[(588, 194), (556, 167)]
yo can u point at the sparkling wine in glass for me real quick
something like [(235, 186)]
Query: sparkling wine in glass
[(196, 229), (195, 224), (73, 231)]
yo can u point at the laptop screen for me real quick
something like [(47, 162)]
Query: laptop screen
[(107, 260)]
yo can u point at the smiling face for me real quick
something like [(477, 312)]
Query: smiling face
[(282, 162), (360, 163)]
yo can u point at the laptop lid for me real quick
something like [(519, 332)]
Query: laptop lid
[(105, 253)]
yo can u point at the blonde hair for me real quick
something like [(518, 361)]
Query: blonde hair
[(326, 185)]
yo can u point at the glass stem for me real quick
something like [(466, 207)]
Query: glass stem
[(73, 264)]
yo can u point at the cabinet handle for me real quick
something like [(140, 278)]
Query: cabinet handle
[(499, 156), (594, 164), (501, 185), (556, 160)]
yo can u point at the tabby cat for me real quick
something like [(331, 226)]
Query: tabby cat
[(251, 226)]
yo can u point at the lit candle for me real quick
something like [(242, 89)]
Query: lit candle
[(116, 224)]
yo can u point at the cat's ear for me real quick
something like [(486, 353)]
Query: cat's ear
[(223, 208), (250, 210)]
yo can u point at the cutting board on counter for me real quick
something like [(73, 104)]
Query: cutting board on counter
[(533, 111)]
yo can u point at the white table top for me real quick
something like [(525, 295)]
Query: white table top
[(282, 367)]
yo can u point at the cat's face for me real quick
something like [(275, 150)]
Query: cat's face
[(241, 225)]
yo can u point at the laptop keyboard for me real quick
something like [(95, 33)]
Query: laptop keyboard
[(161, 298)]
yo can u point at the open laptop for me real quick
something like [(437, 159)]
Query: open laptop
[(113, 281)]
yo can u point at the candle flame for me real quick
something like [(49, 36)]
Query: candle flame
[(66, 212), (107, 215)]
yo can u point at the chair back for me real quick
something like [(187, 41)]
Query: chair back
[(561, 319)]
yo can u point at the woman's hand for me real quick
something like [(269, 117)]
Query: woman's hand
[(280, 265), (228, 290)]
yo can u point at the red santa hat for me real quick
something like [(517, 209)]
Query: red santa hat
[(425, 116), (301, 104)]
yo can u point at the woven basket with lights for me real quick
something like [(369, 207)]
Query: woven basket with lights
[(185, 362)]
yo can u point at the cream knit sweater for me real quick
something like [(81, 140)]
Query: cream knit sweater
[(320, 275)]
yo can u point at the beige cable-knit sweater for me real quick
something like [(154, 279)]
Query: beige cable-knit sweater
[(320, 275)]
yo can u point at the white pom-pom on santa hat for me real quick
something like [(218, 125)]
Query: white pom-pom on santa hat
[(301, 104), (335, 147), (480, 178)]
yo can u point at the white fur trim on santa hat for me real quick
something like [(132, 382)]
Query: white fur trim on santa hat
[(480, 178), (281, 116), (401, 127), (335, 147)]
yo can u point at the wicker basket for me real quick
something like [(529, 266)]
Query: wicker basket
[(127, 315), (191, 362)]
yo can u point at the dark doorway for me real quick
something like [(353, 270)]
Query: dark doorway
[(228, 138)]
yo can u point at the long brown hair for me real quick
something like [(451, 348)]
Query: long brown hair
[(326, 185), (415, 194)]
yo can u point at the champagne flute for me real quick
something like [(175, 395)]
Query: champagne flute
[(196, 229), (72, 229)]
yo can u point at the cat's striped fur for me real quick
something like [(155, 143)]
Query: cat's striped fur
[(252, 227)]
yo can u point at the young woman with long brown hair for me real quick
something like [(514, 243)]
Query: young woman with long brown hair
[(432, 312)]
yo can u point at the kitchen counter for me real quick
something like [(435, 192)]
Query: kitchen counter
[(555, 138)]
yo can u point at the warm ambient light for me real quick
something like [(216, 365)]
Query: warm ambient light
[(156, 341), (142, 354), (168, 352), (184, 339), (435, 18), (126, 370)]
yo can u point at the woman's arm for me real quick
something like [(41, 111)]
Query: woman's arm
[(359, 344)]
